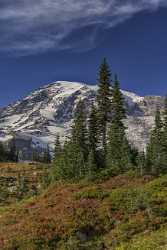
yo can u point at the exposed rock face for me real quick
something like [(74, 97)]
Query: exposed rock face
[(38, 117)]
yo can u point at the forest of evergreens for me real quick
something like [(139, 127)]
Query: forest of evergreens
[(98, 144)]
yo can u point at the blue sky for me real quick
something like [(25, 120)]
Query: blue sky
[(47, 40)]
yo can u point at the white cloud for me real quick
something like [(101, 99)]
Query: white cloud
[(34, 26)]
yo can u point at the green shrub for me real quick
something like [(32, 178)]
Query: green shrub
[(92, 194), (129, 200)]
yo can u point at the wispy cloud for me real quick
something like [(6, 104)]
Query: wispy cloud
[(34, 26)]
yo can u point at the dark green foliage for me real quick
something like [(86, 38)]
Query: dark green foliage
[(35, 155), (3, 153), (104, 102), (79, 130), (57, 148), (154, 155), (13, 153), (71, 161), (93, 137), (117, 102), (87, 151), (46, 155), (118, 149), (91, 164), (134, 156), (69, 164), (164, 139)]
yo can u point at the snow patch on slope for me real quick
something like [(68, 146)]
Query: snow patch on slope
[(49, 110)]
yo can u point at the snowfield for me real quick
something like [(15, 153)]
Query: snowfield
[(37, 118)]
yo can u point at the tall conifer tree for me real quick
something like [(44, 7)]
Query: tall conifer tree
[(117, 102), (46, 155), (164, 137), (13, 153), (118, 150), (93, 135), (71, 163), (154, 154), (57, 148), (103, 100), (79, 129)]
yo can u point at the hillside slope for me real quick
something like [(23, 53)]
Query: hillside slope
[(123, 213), (19, 180), (49, 110)]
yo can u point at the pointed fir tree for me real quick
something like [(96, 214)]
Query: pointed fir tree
[(103, 100), (79, 129), (46, 155), (164, 138), (93, 135), (154, 154), (141, 164), (57, 148), (91, 164), (13, 153), (71, 163), (118, 149), (117, 102), (3, 153)]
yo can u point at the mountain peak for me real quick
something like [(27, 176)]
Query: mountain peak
[(37, 118)]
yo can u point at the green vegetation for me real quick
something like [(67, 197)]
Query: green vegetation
[(94, 149), (124, 212), (118, 155), (98, 193), (98, 146), (19, 181)]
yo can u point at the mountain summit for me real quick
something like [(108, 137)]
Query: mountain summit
[(37, 118)]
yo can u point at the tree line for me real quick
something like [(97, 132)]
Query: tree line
[(98, 141), (156, 153)]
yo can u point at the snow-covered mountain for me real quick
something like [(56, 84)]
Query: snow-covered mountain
[(37, 118)]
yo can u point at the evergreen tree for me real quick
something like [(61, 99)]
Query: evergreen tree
[(104, 103), (3, 153), (46, 155), (91, 164), (13, 153), (93, 135), (134, 153), (117, 103), (141, 163), (118, 149), (57, 148), (79, 129), (71, 163), (35, 155), (164, 138), (154, 155)]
